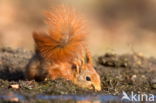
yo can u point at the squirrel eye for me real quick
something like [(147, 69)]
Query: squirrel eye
[(88, 78)]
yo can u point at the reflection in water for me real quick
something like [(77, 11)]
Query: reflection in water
[(13, 97)]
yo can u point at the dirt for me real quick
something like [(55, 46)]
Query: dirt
[(127, 72)]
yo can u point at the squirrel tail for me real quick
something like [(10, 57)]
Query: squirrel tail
[(66, 35)]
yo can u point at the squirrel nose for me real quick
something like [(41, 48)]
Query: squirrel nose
[(96, 87)]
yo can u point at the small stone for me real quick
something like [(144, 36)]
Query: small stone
[(133, 78), (14, 86), (153, 83)]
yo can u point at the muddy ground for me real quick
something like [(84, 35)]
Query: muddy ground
[(128, 72)]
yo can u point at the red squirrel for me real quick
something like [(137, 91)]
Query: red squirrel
[(62, 51)]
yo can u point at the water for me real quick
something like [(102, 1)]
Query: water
[(92, 99), (13, 97)]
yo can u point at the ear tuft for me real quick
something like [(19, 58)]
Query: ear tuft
[(75, 68)]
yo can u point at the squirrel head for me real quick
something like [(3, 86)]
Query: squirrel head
[(88, 78), (85, 74), (80, 71)]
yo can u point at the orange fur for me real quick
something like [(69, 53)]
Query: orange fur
[(66, 36), (62, 52)]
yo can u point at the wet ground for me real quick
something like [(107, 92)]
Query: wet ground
[(128, 72)]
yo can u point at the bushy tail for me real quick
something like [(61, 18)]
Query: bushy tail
[(66, 35)]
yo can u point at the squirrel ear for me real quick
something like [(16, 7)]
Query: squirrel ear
[(88, 58), (75, 68)]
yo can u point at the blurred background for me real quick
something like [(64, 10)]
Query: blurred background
[(118, 26)]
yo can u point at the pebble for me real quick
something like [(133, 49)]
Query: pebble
[(153, 83), (14, 86)]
